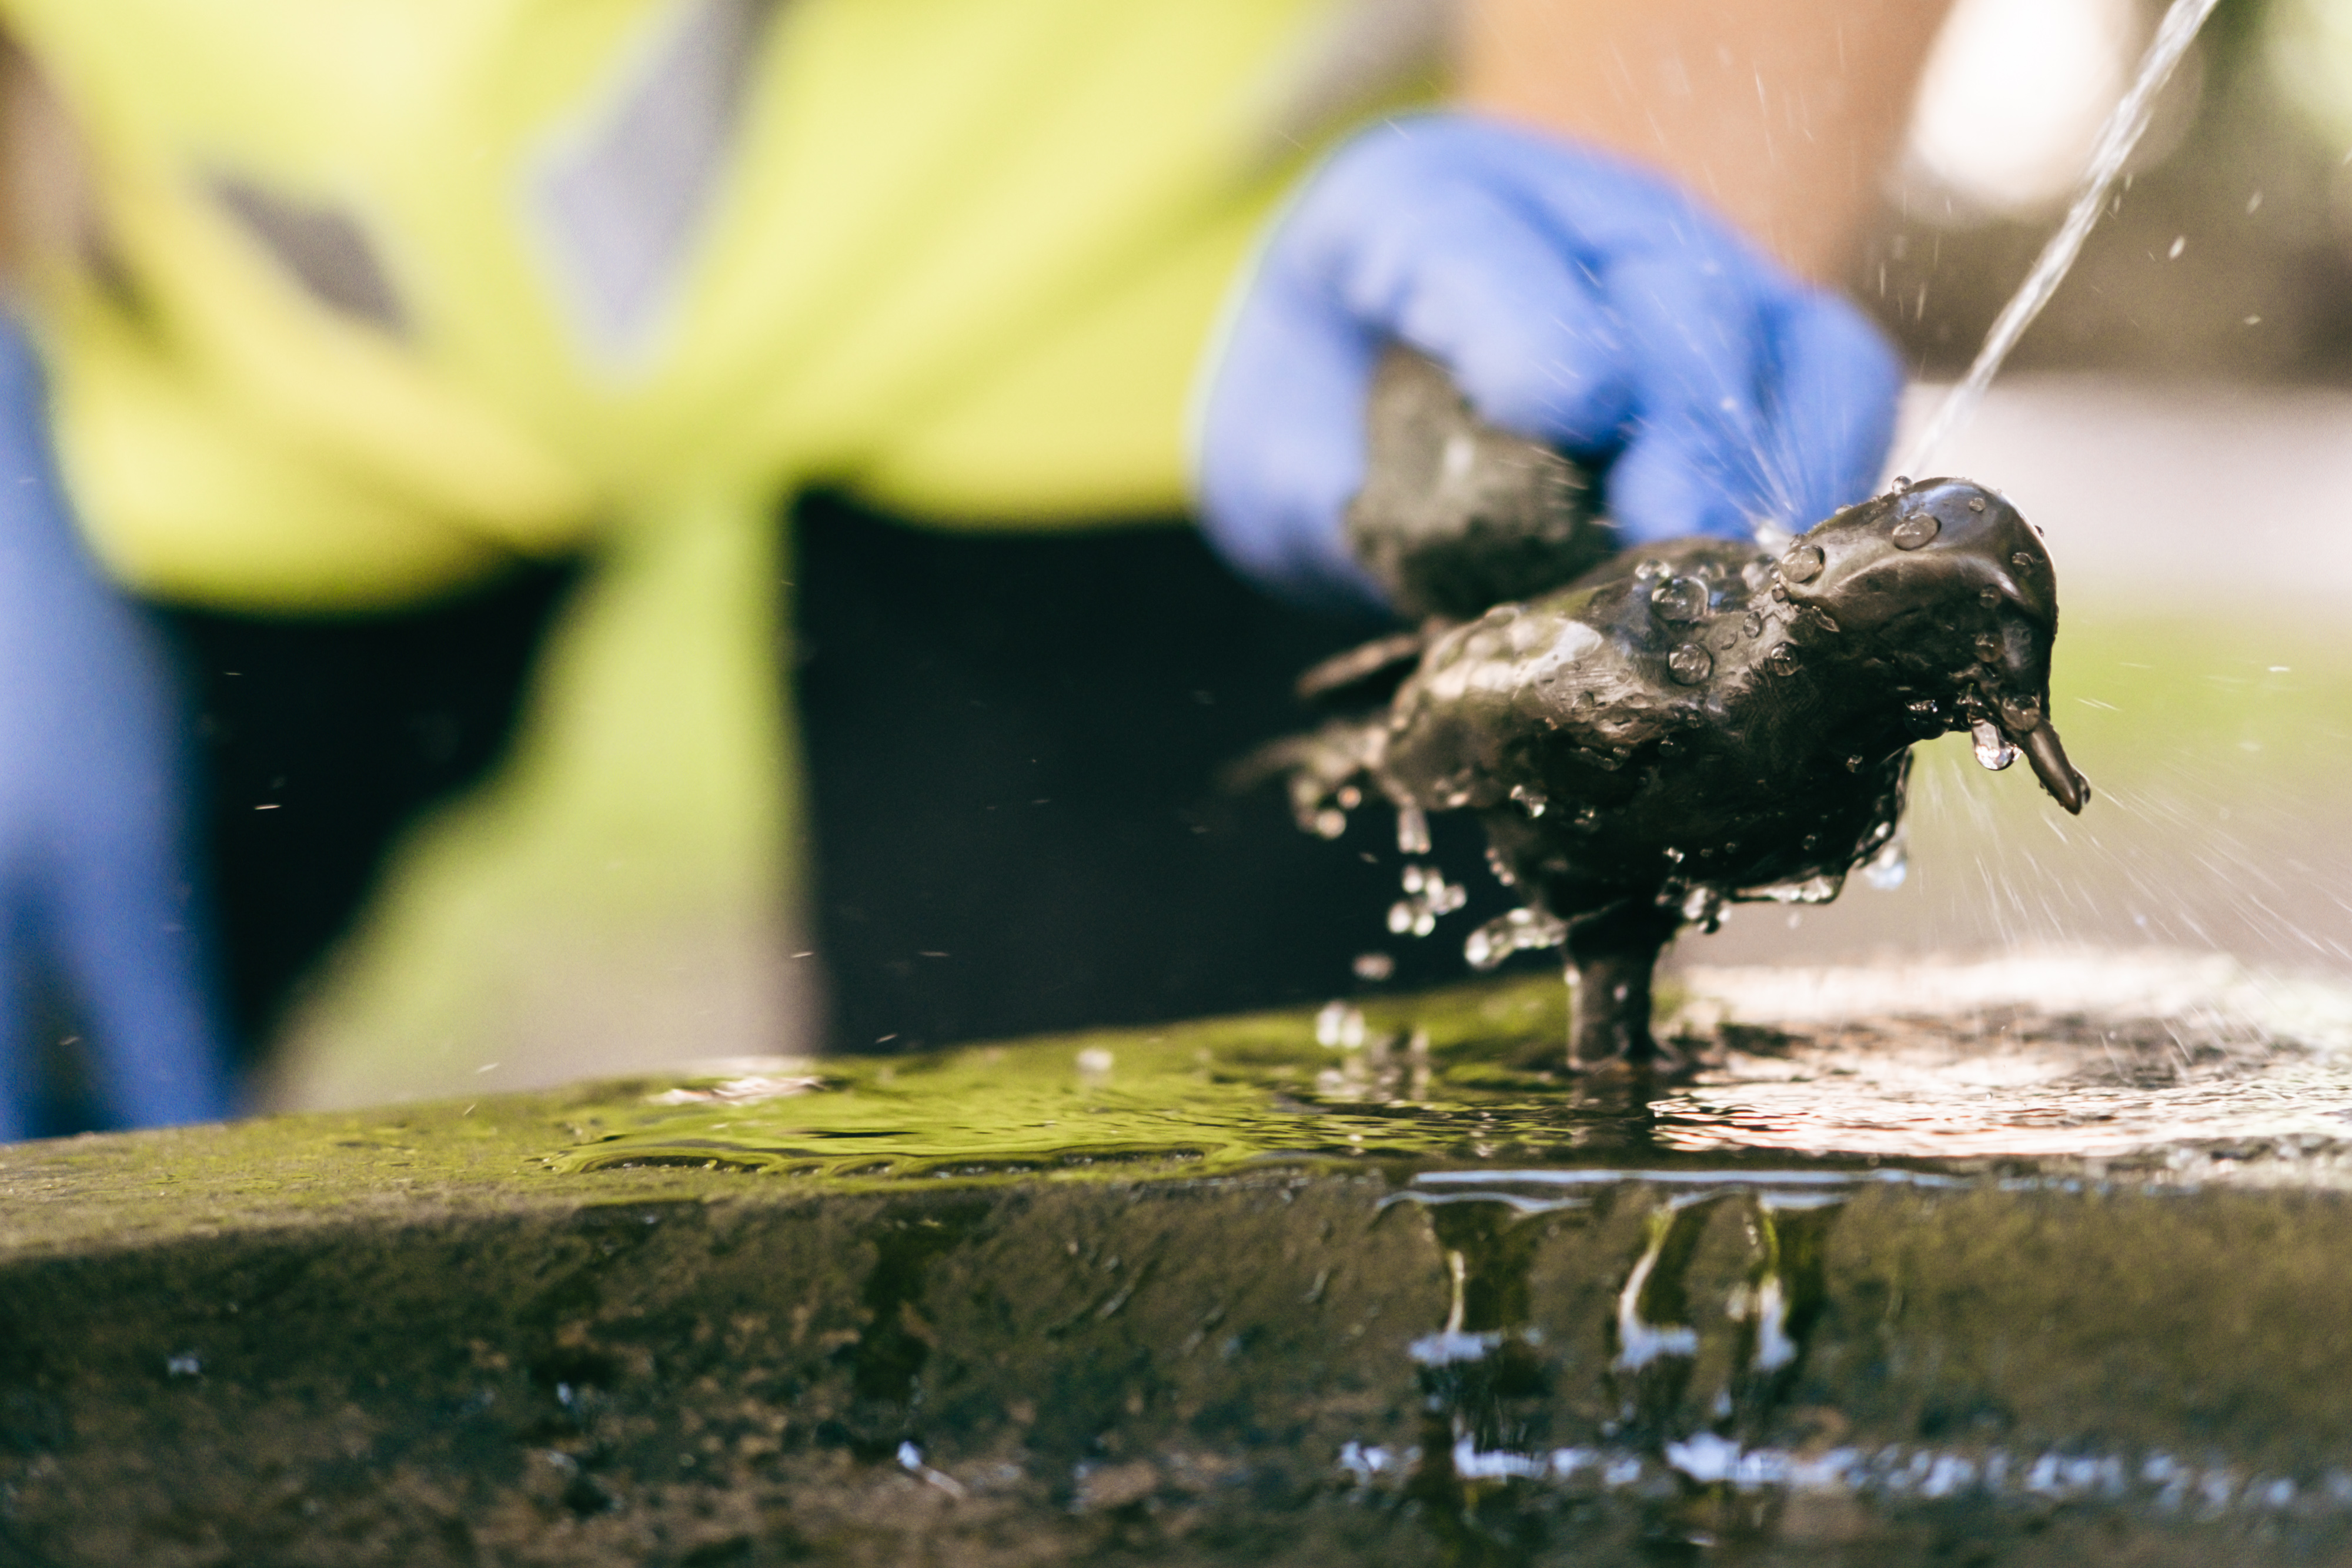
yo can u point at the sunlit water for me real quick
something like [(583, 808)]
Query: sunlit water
[(2055, 1056)]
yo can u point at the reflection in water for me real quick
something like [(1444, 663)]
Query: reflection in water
[(1479, 1372), (1637, 1270), (1699, 1447), (2052, 1055)]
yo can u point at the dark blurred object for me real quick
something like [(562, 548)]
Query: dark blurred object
[(322, 738), (1012, 743), (1461, 514)]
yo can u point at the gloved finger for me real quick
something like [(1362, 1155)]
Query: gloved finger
[(1279, 444), (1695, 461), (1832, 403), (1465, 274)]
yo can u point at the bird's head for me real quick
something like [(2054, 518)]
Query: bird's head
[(1943, 594)]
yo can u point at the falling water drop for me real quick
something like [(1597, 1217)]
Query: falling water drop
[(1886, 870), (1994, 751), (1427, 895), (1517, 932), (1340, 1027), (1413, 831)]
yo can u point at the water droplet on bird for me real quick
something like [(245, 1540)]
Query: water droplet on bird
[(1916, 530), (1520, 931), (1812, 890), (1533, 801), (1994, 751), (1987, 648), (1802, 563), (1704, 906), (1690, 664), (1679, 598), (2021, 713), (1752, 625), (1886, 870), (1782, 660), (1976, 503), (2023, 560), (1330, 822), (1413, 831), (1990, 598)]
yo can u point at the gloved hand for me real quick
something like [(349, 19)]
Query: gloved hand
[(94, 864), (1575, 299)]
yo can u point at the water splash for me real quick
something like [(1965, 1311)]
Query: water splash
[(1428, 897), (2117, 137), (1520, 931), (2159, 1057)]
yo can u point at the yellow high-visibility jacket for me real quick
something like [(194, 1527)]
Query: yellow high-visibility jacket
[(374, 297)]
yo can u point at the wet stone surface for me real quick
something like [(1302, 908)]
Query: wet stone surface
[(2036, 1261)]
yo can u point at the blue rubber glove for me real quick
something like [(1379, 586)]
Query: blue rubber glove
[(94, 863), (1576, 299)]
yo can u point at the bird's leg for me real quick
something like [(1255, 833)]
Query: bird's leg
[(1610, 956)]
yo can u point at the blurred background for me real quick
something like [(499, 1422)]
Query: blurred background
[(1011, 769)]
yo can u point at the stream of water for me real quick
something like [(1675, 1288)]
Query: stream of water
[(2117, 137)]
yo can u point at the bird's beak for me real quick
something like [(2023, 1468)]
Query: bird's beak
[(2066, 786)]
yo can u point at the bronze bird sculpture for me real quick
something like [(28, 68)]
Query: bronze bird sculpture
[(1679, 726)]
